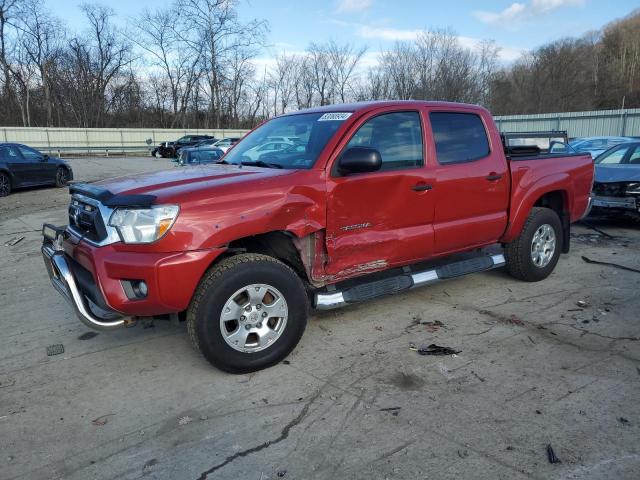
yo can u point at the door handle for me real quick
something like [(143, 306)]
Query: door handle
[(421, 187), (494, 176)]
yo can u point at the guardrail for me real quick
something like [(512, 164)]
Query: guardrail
[(109, 150)]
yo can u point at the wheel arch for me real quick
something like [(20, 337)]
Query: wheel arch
[(549, 192), (280, 244)]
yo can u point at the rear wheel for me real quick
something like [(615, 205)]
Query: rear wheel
[(248, 313), (5, 185), (534, 254), (62, 177)]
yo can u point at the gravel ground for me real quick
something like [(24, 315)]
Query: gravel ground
[(537, 367)]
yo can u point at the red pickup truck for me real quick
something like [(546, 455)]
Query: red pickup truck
[(353, 202)]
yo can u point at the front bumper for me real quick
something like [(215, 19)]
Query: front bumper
[(92, 276), (64, 281)]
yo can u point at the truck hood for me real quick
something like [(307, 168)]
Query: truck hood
[(170, 183), (617, 173)]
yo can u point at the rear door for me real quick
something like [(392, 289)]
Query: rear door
[(18, 166), (382, 218), (472, 182)]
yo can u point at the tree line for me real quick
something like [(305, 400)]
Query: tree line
[(192, 65)]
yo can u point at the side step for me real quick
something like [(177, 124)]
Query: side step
[(399, 283)]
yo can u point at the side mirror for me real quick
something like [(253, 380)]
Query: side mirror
[(359, 160), (45, 158)]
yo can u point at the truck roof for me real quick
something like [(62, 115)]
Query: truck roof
[(372, 105)]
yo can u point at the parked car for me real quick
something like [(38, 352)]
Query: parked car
[(170, 149), (226, 143), (243, 248), (597, 145), (264, 150), (22, 166), (200, 155), (616, 187)]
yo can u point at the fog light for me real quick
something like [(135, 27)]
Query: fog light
[(141, 289), (135, 289)]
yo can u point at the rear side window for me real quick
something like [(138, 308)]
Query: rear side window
[(397, 136), (459, 137)]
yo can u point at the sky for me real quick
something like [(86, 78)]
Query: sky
[(377, 24)]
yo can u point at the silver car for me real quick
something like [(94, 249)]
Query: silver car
[(596, 145)]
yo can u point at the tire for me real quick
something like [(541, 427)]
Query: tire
[(216, 292), (520, 253), (62, 177), (5, 185)]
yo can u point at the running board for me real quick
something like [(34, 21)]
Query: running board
[(399, 283)]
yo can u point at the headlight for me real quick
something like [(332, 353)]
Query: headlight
[(633, 188), (144, 225)]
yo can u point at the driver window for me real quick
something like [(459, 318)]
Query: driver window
[(615, 157), (635, 156), (30, 155), (397, 136)]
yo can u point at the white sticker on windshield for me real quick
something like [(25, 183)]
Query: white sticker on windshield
[(334, 116)]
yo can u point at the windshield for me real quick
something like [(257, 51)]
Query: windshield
[(291, 142)]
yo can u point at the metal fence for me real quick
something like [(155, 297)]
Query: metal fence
[(577, 124), (101, 140)]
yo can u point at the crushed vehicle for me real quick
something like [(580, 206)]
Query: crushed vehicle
[(616, 189), (384, 197), (171, 149)]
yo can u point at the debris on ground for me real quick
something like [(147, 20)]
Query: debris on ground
[(582, 304), (100, 421), (609, 264), (185, 420), (281, 473), (433, 327), (551, 455), (87, 335), (463, 453), (434, 349), (391, 409), (596, 229), (478, 376), (14, 241), (623, 420), (149, 465), (56, 349)]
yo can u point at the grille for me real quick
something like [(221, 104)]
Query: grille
[(614, 189), (86, 220)]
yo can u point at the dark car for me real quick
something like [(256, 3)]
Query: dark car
[(199, 155), (616, 188), (22, 166), (170, 149)]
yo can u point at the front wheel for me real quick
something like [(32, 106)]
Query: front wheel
[(62, 177), (248, 313), (534, 254)]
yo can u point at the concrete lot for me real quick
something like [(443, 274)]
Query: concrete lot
[(352, 401)]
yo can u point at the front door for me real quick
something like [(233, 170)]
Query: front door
[(382, 218), (39, 169)]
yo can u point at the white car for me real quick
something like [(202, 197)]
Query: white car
[(226, 143), (258, 151)]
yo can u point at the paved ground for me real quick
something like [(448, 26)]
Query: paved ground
[(352, 401)]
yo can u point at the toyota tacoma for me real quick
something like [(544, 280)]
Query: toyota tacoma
[(378, 198)]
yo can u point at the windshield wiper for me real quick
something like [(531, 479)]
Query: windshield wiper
[(260, 163)]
